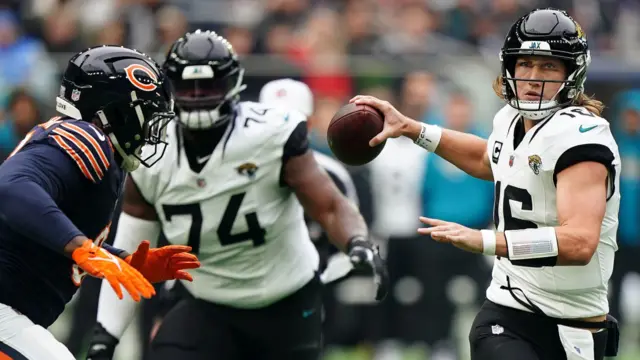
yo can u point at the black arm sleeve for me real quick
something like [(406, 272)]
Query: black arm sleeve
[(587, 152), (296, 145)]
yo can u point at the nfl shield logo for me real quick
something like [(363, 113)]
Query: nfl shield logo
[(201, 183), (75, 95), (511, 158)]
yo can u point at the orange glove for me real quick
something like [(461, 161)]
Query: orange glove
[(165, 263), (99, 263)]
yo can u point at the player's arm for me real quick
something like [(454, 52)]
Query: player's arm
[(466, 151), (324, 203), (31, 183), (581, 204)]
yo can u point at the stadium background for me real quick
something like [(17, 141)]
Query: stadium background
[(434, 59)]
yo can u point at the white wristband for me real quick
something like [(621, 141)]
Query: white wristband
[(429, 137), (488, 242)]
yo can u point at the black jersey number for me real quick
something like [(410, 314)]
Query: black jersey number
[(518, 195), (255, 233)]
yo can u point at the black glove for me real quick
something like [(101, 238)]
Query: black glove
[(363, 252), (103, 344)]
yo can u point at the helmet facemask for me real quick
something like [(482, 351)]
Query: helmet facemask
[(205, 101), (570, 89), (147, 120)]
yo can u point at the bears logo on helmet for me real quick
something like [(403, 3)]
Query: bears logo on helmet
[(147, 83)]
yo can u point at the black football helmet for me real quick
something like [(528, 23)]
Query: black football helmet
[(206, 77), (124, 92), (545, 32)]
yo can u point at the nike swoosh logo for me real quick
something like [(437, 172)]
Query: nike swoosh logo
[(307, 313), (584, 130), (201, 160), (100, 136)]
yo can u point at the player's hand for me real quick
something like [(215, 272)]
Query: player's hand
[(365, 253), (395, 124), (99, 263), (165, 263), (454, 234), (102, 345)]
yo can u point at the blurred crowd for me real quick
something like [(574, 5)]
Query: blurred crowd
[(433, 59)]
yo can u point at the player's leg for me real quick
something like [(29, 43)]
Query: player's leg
[(21, 339), (289, 329), (193, 330)]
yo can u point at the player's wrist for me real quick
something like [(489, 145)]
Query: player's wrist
[(428, 137), (75, 244), (358, 240), (489, 242), (411, 128)]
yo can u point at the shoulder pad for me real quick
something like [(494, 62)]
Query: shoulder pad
[(571, 127), (504, 117), (87, 145)]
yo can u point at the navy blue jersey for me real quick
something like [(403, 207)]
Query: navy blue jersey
[(61, 181)]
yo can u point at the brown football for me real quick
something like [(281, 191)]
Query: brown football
[(350, 131)]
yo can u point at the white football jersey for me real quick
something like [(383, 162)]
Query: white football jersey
[(247, 229), (525, 197)]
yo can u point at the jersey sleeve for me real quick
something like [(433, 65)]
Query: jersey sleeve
[(32, 184), (584, 138), (86, 145)]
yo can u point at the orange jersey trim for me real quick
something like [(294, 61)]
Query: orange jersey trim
[(72, 153), (93, 163)]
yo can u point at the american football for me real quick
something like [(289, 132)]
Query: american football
[(350, 131)]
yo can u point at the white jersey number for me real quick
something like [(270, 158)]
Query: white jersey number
[(255, 233)]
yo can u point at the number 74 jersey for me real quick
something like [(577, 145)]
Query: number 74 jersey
[(525, 175), (246, 227)]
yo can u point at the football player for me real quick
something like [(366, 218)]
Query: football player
[(556, 170), (59, 188), (293, 95), (231, 186)]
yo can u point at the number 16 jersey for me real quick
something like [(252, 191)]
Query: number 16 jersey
[(245, 225), (525, 168)]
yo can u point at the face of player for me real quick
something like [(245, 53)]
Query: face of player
[(538, 68)]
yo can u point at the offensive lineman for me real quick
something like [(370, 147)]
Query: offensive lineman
[(556, 170), (59, 188), (231, 186)]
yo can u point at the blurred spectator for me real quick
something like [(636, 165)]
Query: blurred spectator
[(23, 60), (21, 115), (360, 26), (111, 33), (60, 30), (241, 39), (171, 25)]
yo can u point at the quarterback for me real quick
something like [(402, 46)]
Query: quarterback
[(59, 189), (234, 184), (556, 170)]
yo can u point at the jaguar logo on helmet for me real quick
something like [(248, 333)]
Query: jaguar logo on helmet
[(144, 83)]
